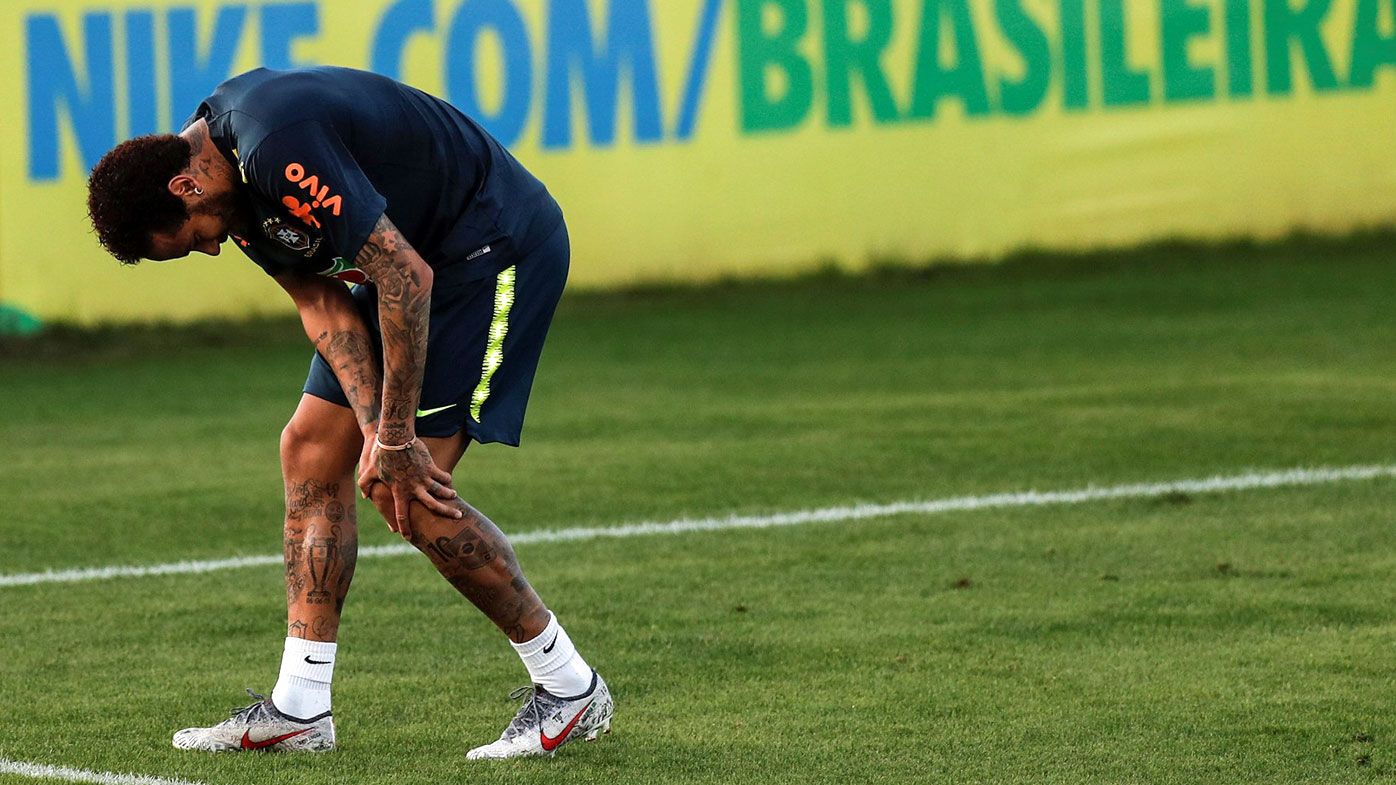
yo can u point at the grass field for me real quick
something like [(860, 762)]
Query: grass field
[(1183, 638)]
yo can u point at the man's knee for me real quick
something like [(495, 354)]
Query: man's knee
[(296, 442), (310, 451)]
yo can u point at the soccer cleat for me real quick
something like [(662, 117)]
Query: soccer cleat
[(261, 727), (546, 722)]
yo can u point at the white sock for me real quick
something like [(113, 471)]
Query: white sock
[(303, 691), (553, 662)]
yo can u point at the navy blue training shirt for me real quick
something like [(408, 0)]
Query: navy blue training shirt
[(323, 152)]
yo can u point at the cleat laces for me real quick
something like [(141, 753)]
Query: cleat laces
[(536, 704), (248, 714)]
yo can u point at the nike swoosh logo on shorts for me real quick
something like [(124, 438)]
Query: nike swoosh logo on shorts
[(430, 412), (249, 744), (550, 744)]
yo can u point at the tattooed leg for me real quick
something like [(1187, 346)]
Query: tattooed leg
[(473, 555), (321, 534)]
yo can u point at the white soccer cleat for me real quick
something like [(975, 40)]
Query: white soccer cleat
[(546, 722), (261, 727)]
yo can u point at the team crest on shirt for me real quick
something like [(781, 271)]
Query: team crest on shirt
[(293, 238)]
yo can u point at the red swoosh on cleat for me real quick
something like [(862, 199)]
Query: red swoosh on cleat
[(551, 744), (249, 744)]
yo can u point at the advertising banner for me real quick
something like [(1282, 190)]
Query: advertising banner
[(695, 139)]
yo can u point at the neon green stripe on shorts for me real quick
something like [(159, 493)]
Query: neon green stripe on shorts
[(494, 347)]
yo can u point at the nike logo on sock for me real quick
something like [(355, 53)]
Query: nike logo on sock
[(317, 662), (547, 649)]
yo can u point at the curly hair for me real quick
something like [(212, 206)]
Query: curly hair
[(127, 194)]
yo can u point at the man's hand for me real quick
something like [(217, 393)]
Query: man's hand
[(368, 473), (410, 475)]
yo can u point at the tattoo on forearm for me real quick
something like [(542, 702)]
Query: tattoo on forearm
[(350, 354), (404, 312)]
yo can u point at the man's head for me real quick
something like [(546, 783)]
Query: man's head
[(161, 197)]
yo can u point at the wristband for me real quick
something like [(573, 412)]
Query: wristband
[(392, 448)]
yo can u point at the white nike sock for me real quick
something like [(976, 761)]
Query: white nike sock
[(303, 691), (553, 662)]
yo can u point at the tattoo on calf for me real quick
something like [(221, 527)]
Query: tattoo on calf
[(322, 556), (321, 543), (467, 546), (295, 576), (474, 556), (348, 560), (310, 498)]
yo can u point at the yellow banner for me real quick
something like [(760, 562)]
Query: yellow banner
[(691, 139)]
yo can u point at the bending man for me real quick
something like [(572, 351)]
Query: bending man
[(458, 257)]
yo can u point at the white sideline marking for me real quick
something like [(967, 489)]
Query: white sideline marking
[(1218, 484), (41, 772)]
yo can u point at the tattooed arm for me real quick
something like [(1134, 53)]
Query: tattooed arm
[(404, 283), (335, 327), (333, 324)]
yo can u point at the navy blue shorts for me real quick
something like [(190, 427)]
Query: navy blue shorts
[(482, 348)]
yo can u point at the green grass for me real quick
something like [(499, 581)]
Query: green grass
[(1244, 637)]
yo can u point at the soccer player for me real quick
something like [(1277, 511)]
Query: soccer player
[(458, 257)]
